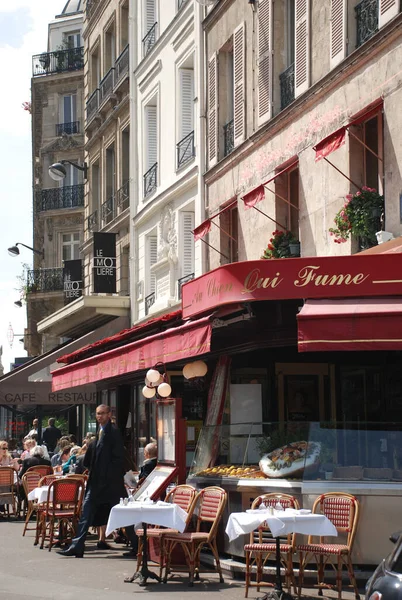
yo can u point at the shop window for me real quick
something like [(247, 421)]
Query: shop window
[(146, 424), (287, 200), (229, 235)]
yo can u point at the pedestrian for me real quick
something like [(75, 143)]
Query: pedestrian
[(105, 486), (51, 435)]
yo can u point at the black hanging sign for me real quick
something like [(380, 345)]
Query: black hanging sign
[(72, 279), (104, 267)]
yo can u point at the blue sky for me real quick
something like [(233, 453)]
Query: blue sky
[(23, 33)]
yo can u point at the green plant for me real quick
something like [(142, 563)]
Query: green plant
[(359, 216), (61, 423), (278, 246)]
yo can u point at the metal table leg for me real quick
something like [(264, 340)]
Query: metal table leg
[(277, 593), (144, 573)]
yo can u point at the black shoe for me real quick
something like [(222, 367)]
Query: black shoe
[(71, 552), (130, 554), (103, 546)]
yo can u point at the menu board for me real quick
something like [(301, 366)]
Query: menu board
[(156, 483)]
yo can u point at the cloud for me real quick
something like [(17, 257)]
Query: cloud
[(13, 27)]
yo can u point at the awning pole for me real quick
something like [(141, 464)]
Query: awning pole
[(343, 174), (225, 232), (268, 217), (218, 251), (363, 144), (282, 198)]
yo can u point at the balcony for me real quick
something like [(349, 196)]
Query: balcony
[(366, 20), (151, 180), (123, 196), (149, 40), (287, 83), (149, 301), (59, 61), (69, 196), (228, 136), (45, 280), (185, 150), (108, 210), (106, 87), (180, 3), (92, 105), (68, 128), (92, 221), (121, 66), (182, 281)]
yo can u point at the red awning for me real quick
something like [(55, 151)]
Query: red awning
[(367, 113), (205, 227), (258, 194), (350, 324), (330, 144), (178, 343)]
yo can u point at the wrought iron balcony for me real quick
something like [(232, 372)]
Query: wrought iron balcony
[(228, 134), (92, 105), (59, 61), (93, 221), (181, 282), (123, 196), (108, 210), (151, 180), (149, 40), (69, 196), (121, 65), (287, 83), (185, 149), (45, 280), (90, 7), (69, 128), (149, 301), (366, 20), (106, 86)]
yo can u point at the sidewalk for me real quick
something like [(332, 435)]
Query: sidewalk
[(28, 573)]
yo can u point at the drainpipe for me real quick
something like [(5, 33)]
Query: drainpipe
[(202, 121), (133, 167)]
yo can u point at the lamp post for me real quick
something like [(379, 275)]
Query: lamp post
[(57, 171), (14, 250)]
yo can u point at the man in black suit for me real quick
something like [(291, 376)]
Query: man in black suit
[(105, 461), (51, 435)]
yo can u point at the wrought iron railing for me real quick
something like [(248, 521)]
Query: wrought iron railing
[(185, 149), (123, 196), (151, 180), (106, 86), (181, 282), (228, 135), (45, 280), (149, 40), (149, 301), (366, 20), (108, 210), (287, 84), (59, 61), (92, 104), (121, 65), (180, 3), (90, 7), (93, 221), (68, 128), (69, 196)]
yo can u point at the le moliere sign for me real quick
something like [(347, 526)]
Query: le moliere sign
[(104, 265), (284, 279), (72, 279)]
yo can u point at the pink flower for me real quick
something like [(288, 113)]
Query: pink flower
[(349, 197), (358, 193)]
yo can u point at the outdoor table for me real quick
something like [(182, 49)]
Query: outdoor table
[(137, 513), (280, 523), (39, 494)]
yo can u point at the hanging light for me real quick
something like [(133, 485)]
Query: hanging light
[(164, 390), (153, 376), (148, 392), (188, 372), (199, 368)]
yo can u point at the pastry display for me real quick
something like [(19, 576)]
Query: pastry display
[(232, 471), (291, 459)]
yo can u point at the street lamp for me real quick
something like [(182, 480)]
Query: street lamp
[(14, 250), (57, 171), (18, 303)]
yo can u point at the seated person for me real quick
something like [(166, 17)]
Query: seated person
[(71, 460), (56, 458), (36, 458), (29, 443), (6, 460)]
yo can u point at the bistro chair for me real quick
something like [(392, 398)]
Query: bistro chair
[(47, 480), (41, 469), (63, 508), (207, 508), (343, 510), (8, 489), (183, 496), (30, 481), (262, 547)]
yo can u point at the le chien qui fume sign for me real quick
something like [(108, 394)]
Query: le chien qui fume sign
[(287, 278)]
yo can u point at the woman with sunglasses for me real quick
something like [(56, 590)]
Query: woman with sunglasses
[(6, 460)]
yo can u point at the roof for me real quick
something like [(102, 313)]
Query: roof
[(72, 8), (393, 246)]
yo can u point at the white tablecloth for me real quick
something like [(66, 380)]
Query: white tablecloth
[(280, 523), (134, 513), (40, 494)]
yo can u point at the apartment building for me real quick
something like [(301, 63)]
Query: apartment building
[(167, 152)]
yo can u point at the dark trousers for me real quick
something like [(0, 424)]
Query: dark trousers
[(85, 522), (132, 536)]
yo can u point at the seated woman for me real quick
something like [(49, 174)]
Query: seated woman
[(75, 450), (36, 458), (6, 460)]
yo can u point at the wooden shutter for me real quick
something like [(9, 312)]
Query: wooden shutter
[(265, 46), (150, 15), (213, 110), (338, 31), (187, 259), (302, 47), (152, 259), (387, 10), (187, 102), (239, 82), (151, 136)]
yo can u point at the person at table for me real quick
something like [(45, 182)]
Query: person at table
[(6, 460), (56, 459), (69, 466), (36, 458), (105, 486), (34, 430), (51, 435), (29, 443)]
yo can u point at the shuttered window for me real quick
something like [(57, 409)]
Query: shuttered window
[(239, 94), (388, 9), (149, 16), (151, 137), (213, 110), (152, 256), (187, 243), (302, 47), (265, 46), (338, 31), (186, 102)]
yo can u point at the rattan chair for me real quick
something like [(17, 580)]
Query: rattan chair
[(343, 510), (8, 489), (47, 480), (207, 508), (30, 481), (262, 547), (41, 469)]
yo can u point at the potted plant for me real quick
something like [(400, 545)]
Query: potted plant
[(283, 244), (359, 216)]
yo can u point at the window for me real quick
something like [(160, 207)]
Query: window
[(226, 97), (73, 39), (124, 26), (71, 246), (185, 147), (287, 200), (302, 47), (68, 108), (186, 243), (151, 259), (110, 49), (73, 175), (150, 148), (287, 77), (110, 171), (229, 235), (366, 164), (94, 71), (95, 187), (149, 27)]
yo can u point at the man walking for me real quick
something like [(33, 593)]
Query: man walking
[(51, 435), (105, 461)]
